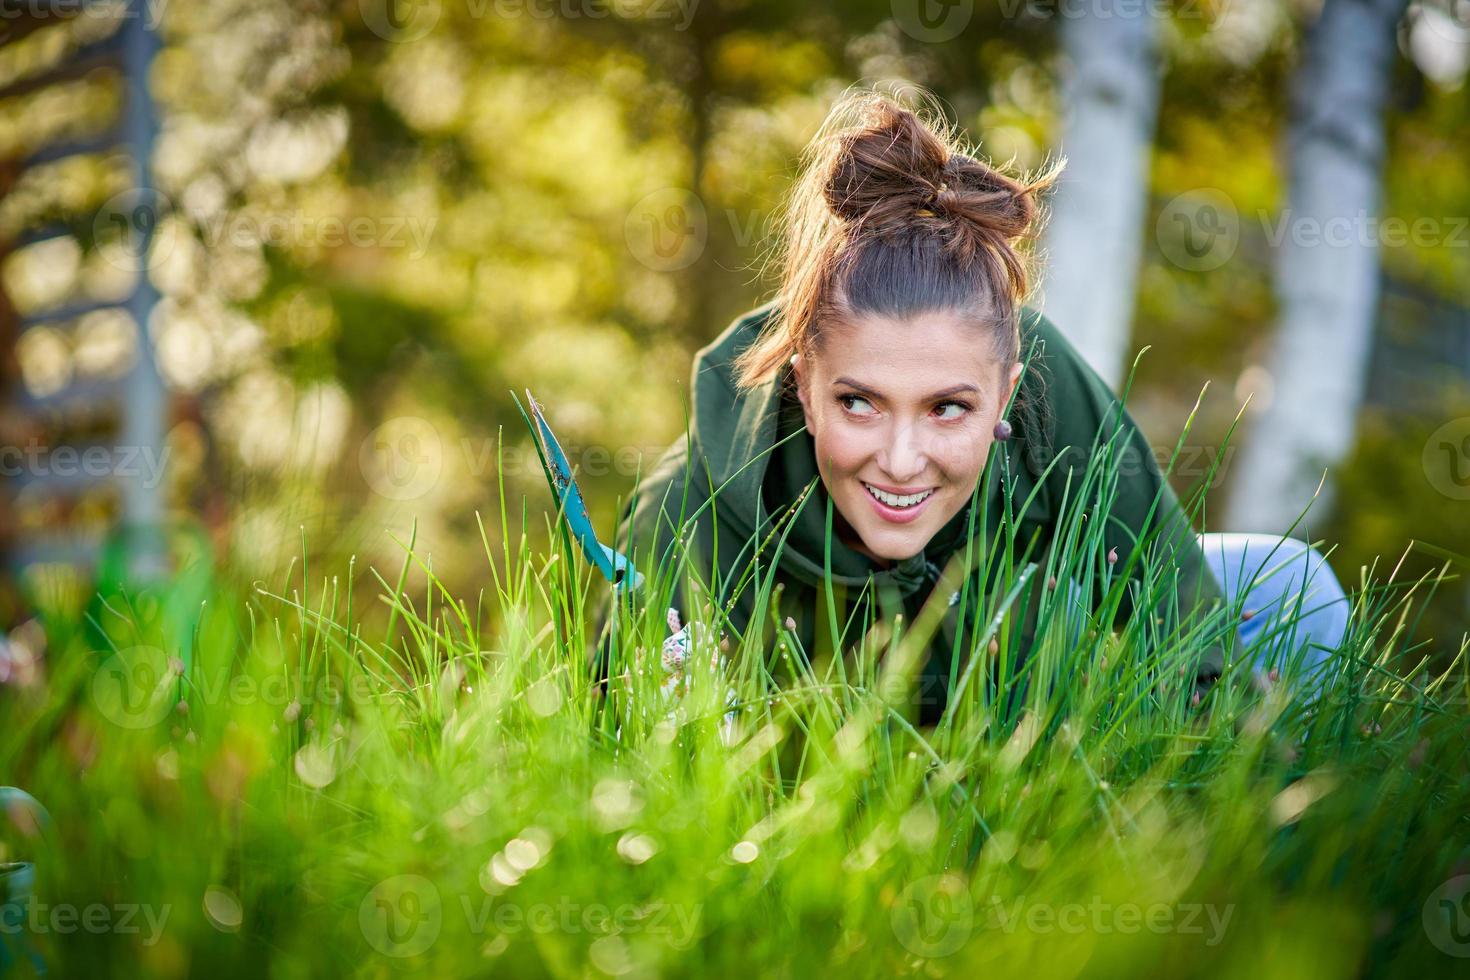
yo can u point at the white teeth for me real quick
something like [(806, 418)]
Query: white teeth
[(897, 500)]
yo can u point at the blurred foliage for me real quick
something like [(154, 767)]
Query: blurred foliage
[(370, 220), (301, 791), (1373, 529)]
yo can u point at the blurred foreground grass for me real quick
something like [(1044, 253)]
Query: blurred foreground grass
[(268, 780)]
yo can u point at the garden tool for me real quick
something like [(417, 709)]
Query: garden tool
[(614, 565)]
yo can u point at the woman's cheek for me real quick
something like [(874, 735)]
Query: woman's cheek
[(846, 444), (850, 455), (966, 457)]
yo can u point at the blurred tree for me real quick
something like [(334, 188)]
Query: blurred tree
[(1327, 272), (1111, 96)]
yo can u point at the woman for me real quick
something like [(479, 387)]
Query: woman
[(895, 360)]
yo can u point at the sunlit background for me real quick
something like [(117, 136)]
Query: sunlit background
[(349, 230)]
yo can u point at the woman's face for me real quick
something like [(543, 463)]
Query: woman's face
[(903, 414)]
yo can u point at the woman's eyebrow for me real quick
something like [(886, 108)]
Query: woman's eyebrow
[(934, 396)]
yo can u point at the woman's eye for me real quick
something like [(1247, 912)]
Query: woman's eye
[(958, 410), (855, 404)]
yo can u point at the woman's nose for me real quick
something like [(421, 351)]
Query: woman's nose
[(903, 457)]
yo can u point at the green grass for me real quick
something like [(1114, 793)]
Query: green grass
[(282, 780)]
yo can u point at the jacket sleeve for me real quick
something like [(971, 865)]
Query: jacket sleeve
[(1085, 416)]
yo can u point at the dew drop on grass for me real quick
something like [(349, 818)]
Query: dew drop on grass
[(918, 828), (222, 909), (544, 697), (314, 765), (611, 955), (502, 872), (616, 802), (1001, 847), (744, 852), (636, 848), (522, 854)]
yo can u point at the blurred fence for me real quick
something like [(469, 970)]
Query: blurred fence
[(79, 424)]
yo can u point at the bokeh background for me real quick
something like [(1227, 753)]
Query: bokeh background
[(270, 270)]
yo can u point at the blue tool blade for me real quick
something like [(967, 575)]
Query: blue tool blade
[(611, 563)]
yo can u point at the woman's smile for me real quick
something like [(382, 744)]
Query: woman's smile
[(898, 508)]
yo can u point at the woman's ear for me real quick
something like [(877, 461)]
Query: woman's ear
[(1009, 386), (798, 368)]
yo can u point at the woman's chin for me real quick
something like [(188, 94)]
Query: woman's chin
[(894, 544), (893, 534)]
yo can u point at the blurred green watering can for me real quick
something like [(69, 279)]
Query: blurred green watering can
[(17, 880)]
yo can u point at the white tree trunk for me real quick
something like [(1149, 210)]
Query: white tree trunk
[(1326, 268), (1094, 238)]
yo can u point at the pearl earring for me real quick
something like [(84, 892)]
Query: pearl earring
[(1002, 430)]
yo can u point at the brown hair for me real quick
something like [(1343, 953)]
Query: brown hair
[(890, 217)]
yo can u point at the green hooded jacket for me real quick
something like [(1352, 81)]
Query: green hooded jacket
[(1060, 408)]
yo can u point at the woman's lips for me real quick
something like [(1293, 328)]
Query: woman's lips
[(897, 515)]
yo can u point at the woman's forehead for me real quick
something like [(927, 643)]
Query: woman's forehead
[(929, 351)]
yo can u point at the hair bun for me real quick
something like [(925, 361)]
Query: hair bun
[(887, 167), (890, 174), (978, 192), (890, 216)]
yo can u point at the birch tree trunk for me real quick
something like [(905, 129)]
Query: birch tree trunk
[(1326, 268), (1094, 238)]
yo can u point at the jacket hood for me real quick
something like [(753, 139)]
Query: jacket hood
[(736, 432)]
